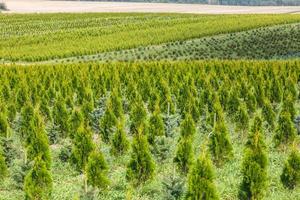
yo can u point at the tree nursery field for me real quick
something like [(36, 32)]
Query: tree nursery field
[(149, 107)]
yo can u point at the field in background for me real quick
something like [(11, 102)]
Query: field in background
[(114, 106), (52, 36), (38, 6)]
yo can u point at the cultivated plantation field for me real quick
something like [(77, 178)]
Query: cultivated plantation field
[(50, 36), (142, 106)]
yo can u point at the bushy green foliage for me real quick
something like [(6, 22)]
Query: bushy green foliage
[(187, 127), (268, 113), (290, 176), (138, 117), (184, 152), (107, 124), (156, 125), (61, 117), (255, 163), (141, 165), (75, 121), (203, 82), (38, 182), (82, 147), (242, 117), (288, 105), (174, 187), (201, 180), (3, 166), (219, 143), (120, 143), (184, 155), (285, 132), (3, 126), (96, 170), (39, 146)]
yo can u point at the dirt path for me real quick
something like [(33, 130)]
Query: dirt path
[(40, 6)]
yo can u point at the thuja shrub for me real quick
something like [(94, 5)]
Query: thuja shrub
[(201, 180), (219, 143), (141, 165), (285, 132), (254, 165), (290, 176)]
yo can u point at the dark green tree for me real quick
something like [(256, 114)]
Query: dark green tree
[(233, 102), (82, 147), (184, 155), (38, 182), (141, 165), (219, 143), (288, 105), (254, 165), (285, 132), (61, 116), (276, 91), (120, 143), (4, 126), (96, 170), (187, 127), (138, 116), (107, 124), (3, 166), (268, 114), (38, 145), (156, 125), (201, 180), (290, 176), (116, 103), (242, 117), (75, 121)]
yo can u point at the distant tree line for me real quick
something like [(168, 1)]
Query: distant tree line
[(221, 2)]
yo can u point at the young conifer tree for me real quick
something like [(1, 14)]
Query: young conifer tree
[(285, 132), (120, 143), (38, 145), (141, 165), (38, 182), (116, 102), (251, 101), (219, 143), (242, 117), (4, 126), (107, 123), (288, 105), (82, 147), (187, 127), (61, 116), (254, 165), (96, 170), (290, 176), (276, 91), (156, 125), (138, 116), (268, 113), (75, 121), (233, 102), (3, 166), (201, 180), (184, 153)]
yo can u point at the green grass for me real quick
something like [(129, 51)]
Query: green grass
[(37, 37)]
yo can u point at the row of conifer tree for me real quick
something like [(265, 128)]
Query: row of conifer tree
[(83, 100)]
